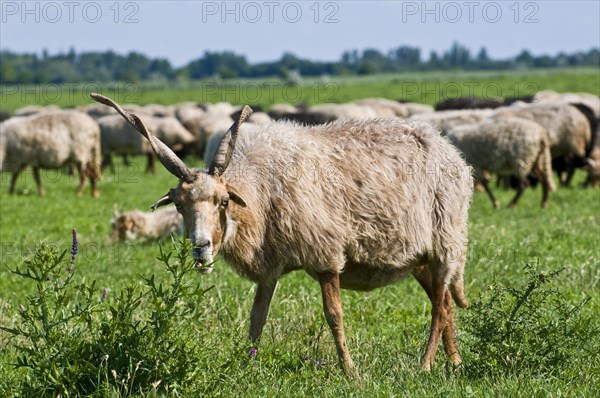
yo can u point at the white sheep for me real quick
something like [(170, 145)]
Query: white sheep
[(355, 204), (136, 224), (117, 136), (50, 140), (569, 130), (506, 146), (446, 120)]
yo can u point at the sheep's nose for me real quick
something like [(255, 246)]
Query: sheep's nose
[(201, 247)]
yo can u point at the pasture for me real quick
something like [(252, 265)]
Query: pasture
[(423, 87), (532, 278)]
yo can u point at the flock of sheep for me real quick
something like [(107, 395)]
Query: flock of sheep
[(378, 215)]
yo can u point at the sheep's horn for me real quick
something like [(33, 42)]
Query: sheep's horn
[(227, 144), (166, 156)]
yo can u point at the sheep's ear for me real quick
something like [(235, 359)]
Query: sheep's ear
[(235, 196), (165, 200)]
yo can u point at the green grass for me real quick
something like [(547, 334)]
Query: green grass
[(387, 328), (424, 87)]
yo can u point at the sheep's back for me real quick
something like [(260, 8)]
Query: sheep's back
[(377, 191)]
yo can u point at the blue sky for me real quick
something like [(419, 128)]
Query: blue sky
[(263, 30)]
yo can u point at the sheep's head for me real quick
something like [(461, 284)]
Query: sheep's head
[(204, 199)]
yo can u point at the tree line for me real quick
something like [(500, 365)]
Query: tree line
[(109, 66)]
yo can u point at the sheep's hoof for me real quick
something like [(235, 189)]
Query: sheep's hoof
[(95, 194), (426, 365), (350, 371), (496, 204), (544, 205)]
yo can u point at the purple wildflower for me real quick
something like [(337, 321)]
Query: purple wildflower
[(74, 251), (252, 352)]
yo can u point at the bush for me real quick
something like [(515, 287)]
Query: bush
[(528, 328), (75, 341)]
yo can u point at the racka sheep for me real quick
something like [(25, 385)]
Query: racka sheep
[(355, 204)]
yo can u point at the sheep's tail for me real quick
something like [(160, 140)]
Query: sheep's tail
[(545, 164)]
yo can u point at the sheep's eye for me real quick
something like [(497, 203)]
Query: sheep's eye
[(224, 202), (178, 206)]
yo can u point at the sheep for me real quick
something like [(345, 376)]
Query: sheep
[(414, 108), (281, 111), (592, 161), (590, 100), (204, 126), (507, 146), (467, 103), (355, 204), (158, 110), (30, 110), (118, 137), (96, 111), (568, 128), (445, 120), (136, 224), (325, 113), (384, 107), (4, 116), (49, 140), (184, 110)]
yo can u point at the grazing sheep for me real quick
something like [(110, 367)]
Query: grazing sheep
[(50, 140), (384, 107), (185, 110), (96, 111), (204, 126), (592, 161), (450, 104), (4, 116), (326, 113), (568, 128), (590, 100), (158, 110), (281, 111), (117, 136), (507, 146), (31, 110), (446, 120), (355, 204), (136, 224), (414, 108)]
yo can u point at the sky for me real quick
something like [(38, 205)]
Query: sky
[(263, 30)]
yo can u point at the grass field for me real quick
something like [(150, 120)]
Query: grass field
[(523, 335), (423, 87), (387, 328)]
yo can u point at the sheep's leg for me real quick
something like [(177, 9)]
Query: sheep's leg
[(332, 307), (570, 174), (545, 187), (107, 161), (150, 166), (260, 310), (13, 179), (438, 316), (520, 188), (81, 179), (38, 181), (423, 276), (485, 182), (93, 177)]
